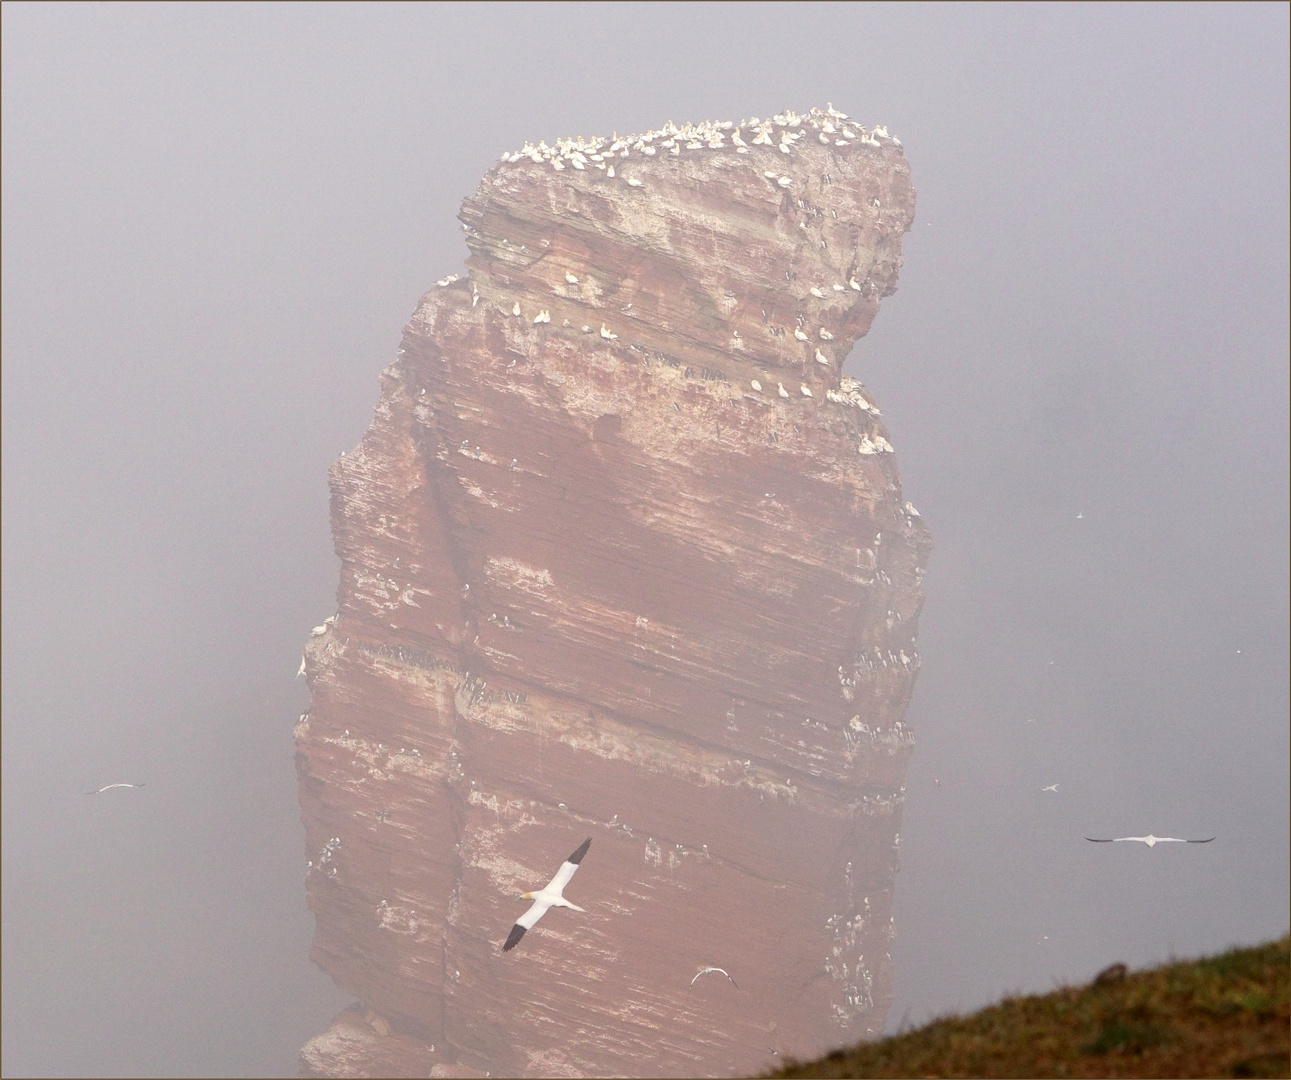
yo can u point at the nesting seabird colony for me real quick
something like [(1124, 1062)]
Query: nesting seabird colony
[(779, 132)]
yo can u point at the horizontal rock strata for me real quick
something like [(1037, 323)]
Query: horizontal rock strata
[(624, 555)]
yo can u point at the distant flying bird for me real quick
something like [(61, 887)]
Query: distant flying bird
[(714, 971), (109, 787), (547, 897), (1150, 840), (1051, 787)]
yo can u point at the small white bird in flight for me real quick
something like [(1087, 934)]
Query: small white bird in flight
[(714, 971), (1150, 840), (109, 787), (547, 897), (1051, 787)]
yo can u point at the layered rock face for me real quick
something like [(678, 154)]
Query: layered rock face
[(624, 556)]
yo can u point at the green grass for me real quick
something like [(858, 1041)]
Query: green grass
[(1226, 1015)]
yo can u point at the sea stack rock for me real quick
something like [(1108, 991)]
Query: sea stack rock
[(624, 555)]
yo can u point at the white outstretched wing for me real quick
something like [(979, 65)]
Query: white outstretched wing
[(567, 869), (526, 922)]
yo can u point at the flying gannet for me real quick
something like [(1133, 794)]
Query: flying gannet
[(547, 897), (714, 971), (1150, 840), (1051, 787), (109, 787)]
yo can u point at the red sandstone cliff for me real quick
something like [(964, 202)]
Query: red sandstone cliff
[(623, 557)]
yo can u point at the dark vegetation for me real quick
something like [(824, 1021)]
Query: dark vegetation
[(1226, 1015)]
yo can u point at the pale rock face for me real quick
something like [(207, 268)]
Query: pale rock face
[(599, 584)]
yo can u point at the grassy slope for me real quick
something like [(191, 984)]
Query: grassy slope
[(1227, 1015)]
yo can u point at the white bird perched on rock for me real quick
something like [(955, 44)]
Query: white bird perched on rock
[(756, 386), (825, 335), (570, 278), (547, 897), (633, 181), (713, 971), (608, 335), (109, 787), (515, 309), (800, 335), (542, 317), (783, 391), (817, 293), (784, 181), (806, 391), (821, 358), (852, 282), (446, 281), (1150, 840)]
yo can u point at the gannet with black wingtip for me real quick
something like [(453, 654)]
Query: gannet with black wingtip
[(714, 971), (1150, 840), (547, 897), (109, 787)]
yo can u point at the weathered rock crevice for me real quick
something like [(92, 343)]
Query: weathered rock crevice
[(624, 555)]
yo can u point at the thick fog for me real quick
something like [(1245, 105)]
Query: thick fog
[(216, 220)]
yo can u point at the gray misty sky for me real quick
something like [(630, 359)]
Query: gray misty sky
[(216, 219)]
